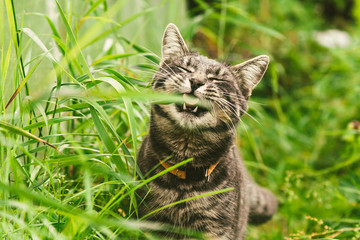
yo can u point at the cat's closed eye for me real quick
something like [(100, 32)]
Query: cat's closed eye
[(183, 69), (217, 79)]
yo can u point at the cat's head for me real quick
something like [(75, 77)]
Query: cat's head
[(214, 93)]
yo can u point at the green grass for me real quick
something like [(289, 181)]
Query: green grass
[(74, 99)]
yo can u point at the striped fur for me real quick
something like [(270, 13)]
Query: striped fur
[(203, 129)]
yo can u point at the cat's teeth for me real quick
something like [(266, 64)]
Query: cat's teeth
[(194, 111), (184, 106)]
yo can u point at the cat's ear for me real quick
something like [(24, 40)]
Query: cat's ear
[(173, 45), (249, 73)]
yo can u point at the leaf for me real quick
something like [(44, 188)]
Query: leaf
[(188, 199), (43, 114), (5, 62), (77, 50), (50, 122), (22, 132), (114, 56), (120, 77), (132, 123), (120, 195), (151, 56), (75, 213), (24, 81), (15, 36), (111, 128), (93, 7), (108, 142), (129, 108), (56, 34), (121, 24), (37, 40)]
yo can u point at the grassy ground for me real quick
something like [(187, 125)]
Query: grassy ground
[(74, 97)]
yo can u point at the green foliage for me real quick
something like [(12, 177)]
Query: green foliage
[(74, 97)]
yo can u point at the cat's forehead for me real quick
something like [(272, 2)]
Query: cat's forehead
[(204, 64)]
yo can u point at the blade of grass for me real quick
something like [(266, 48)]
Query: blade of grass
[(41, 109), (129, 109), (22, 132), (5, 63), (20, 222), (47, 53), (114, 56), (132, 123), (120, 77), (24, 81), (188, 199), (37, 40), (77, 50), (151, 56), (240, 20), (73, 212), (88, 190), (15, 36), (120, 195), (111, 128), (60, 45), (93, 7), (89, 40), (108, 142), (50, 122)]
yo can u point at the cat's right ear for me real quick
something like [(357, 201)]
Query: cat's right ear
[(249, 73), (173, 45)]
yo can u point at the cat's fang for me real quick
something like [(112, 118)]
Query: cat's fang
[(195, 110), (184, 106)]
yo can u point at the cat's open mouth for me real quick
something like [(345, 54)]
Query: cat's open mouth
[(191, 106)]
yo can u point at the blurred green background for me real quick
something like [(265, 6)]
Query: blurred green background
[(75, 94)]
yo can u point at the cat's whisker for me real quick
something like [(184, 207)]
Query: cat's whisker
[(149, 52), (230, 106), (151, 71), (223, 107), (240, 98), (161, 68), (244, 126), (231, 127), (159, 73), (217, 99), (165, 71), (244, 112), (236, 116), (247, 114), (169, 67)]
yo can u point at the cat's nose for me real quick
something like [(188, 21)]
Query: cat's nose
[(195, 83)]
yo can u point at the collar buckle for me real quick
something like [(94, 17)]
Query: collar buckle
[(182, 174)]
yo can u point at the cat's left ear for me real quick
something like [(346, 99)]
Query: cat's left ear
[(249, 73), (173, 45)]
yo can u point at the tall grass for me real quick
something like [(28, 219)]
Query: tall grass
[(69, 132), (74, 81)]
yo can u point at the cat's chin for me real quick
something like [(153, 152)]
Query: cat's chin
[(193, 117)]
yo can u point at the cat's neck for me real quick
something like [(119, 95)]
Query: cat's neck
[(205, 146)]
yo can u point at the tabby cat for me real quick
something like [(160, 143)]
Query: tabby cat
[(203, 128)]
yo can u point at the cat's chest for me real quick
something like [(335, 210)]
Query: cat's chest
[(184, 206), (188, 145)]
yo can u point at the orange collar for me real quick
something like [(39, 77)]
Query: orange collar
[(182, 174)]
